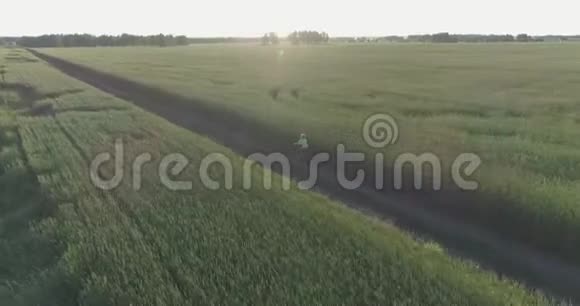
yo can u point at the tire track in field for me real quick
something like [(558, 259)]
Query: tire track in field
[(489, 250), (126, 210)]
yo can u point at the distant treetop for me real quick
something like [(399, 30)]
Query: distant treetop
[(308, 37)]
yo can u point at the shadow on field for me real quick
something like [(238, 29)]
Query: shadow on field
[(27, 256), (437, 216), (20, 59), (29, 98), (274, 93), (26, 93), (58, 94)]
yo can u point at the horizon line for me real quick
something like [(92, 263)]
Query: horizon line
[(285, 34)]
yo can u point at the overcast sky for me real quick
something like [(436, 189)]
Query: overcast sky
[(254, 17)]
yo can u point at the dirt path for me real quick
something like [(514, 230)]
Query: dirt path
[(407, 211)]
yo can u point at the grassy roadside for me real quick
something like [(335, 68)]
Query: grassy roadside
[(514, 105), (158, 247)]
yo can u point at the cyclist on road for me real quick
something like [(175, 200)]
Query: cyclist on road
[(302, 142), (302, 155), (303, 147)]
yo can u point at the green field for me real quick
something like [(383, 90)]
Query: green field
[(64, 242), (517, 106)]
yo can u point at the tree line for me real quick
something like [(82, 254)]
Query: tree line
[(270, 39), (467, 38), (308, 37), (297, 37), (87, 40), (221, 40), (454, 38)]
